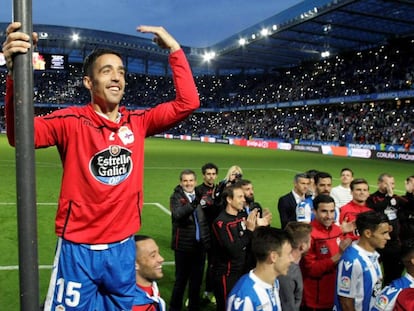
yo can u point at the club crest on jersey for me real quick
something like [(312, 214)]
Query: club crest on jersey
[(112, 165), (126, 135)]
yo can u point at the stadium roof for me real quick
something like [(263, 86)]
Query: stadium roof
[(289, 38)]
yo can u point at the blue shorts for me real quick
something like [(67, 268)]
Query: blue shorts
[(92, 277)]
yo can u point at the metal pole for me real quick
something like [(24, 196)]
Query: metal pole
[(25, 166)]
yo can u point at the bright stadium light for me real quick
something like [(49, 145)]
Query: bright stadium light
[(75, 37), (242, 41), (209, 56), (325, 54), (264, 32)]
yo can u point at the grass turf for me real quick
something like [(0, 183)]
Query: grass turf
[(270, 171)]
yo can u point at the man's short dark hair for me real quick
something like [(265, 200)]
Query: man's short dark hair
[(322, 198), (358, 181), (229, 191), (243, 182), (91, 58), (300, 175), (209, 166), (299, 231), (347, 169), (311, 173), (370, 221), (187, 172), (141, 237), (320, 175), (267, 239), (407, 249)]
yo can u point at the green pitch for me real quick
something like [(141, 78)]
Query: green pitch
[(270, 171)]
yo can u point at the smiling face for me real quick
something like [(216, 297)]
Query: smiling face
[(360, 193), (188, 182), (236, 203), (107, 82), (148, 264), (325, 214), (282, 264)]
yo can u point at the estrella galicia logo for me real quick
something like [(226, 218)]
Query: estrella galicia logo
[(111, 166)]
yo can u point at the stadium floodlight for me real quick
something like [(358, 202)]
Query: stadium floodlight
[(253, 36), (242, 41), (274, 27), (209, 56), (75, 37), (264, 32), (325, 54)]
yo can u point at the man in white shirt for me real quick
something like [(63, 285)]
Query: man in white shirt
[(342, 193)]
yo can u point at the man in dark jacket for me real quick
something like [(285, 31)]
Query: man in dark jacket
[(384, 200), (190, 240)]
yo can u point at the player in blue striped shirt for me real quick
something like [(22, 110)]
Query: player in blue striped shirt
[(388, 296), (259, 289), (359, 277)]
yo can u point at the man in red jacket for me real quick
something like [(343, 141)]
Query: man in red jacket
[(101, 146), (319, 264)]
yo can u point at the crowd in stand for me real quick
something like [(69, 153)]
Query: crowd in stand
[(383, 69)]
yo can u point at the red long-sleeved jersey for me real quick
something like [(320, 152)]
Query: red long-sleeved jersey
[(318, 269), (101, 193)]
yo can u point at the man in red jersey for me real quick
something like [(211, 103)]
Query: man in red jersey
[(319, 264), (349, 212), (101, 146)]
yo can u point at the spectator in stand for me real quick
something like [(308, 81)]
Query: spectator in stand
[(190, 240), (385, 201), (342, 193), (148, 270), (319, 264), (385, 301), (291, 284), (297, 204), (206, 192), (259, 289), (350, 211), (359, 279)]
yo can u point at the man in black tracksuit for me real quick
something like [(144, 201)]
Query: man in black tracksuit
[(231, 237), (385, 201), (205, 192), (190, 240)]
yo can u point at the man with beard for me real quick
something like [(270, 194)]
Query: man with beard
[(205, 194)]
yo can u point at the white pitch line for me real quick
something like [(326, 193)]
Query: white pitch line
[(46, 267)]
